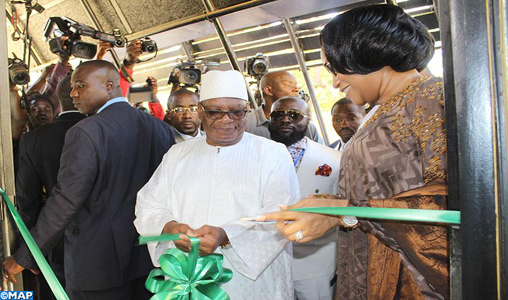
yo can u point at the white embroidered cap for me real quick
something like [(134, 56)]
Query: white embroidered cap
[(223, 84)]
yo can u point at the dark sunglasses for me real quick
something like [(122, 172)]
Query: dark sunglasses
[(293, 115), (213, 114), (329, 68)]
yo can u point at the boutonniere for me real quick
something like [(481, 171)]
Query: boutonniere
[(324, 170)]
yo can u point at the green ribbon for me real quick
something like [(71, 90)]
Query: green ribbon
[(399, 214), (48, 274), (191, 277)]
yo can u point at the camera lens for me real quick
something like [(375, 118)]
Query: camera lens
[(148, 46), (119, 42), (19, 74), (21, 78), (83, 50), (189, 76), (259, 67)]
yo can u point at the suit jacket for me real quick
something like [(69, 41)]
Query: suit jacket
[(178, 136), (39, 161), (106, 160), (337, 143), (38, 164), (317, 258)]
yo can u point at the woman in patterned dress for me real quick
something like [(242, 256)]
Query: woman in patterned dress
[(397, 159)]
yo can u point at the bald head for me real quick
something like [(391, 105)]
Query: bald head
[(291, 103), (277, 84), (102, 68), (173, 100), (270, 77), (93, 84)]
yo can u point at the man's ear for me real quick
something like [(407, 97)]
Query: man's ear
[(268, 90), (110, 86), (201, 112)]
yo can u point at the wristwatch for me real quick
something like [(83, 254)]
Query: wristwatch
[(226, 245), (350, 221)]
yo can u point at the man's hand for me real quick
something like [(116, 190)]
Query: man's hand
[(63, 58), (11, 269), (19, 116), (173, 227), (132, 54), (103, 49), (153, 85), (210, 238)]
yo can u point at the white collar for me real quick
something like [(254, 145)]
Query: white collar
[(68, 112)]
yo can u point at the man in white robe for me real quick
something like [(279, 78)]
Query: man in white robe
[(203, 188)]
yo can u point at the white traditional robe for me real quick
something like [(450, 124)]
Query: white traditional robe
[(199, 184)]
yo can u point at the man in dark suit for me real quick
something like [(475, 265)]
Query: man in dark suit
[(182, 115), (346, 119), (106, 159), (39, 161)]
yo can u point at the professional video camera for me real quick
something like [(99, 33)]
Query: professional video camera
[(189, 73), (257, 66), (74, 30), (18, 71)]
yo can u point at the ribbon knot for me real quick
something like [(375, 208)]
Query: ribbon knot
[(183, 277)]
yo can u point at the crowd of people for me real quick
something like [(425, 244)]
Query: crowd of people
[(94, 172)]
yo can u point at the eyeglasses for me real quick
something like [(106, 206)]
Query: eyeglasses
[(293, 115), (182, 110), (213, 114), (329, 68)]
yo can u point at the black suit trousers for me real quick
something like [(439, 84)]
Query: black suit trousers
[(134, 290)]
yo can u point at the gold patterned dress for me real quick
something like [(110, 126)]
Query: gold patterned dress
[(397, 159)]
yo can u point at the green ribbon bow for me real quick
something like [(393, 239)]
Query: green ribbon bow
[(191, 277), (399, 214), (50, 277)]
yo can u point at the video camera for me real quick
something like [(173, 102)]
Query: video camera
[(257, 66), (18, 71), (190, 72), (74, 30)]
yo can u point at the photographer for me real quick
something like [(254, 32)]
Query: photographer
[(134, 50), (19, 116), (41, 109), (58, 72), (154, 103)]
